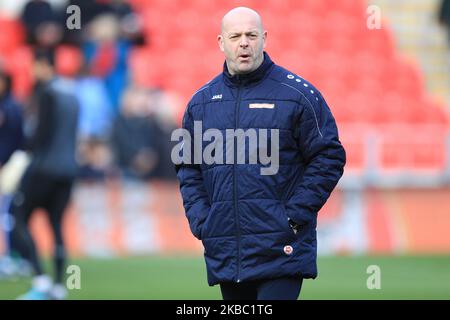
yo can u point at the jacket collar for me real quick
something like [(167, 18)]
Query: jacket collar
[(248, 78)]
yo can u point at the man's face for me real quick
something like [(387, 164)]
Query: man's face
[(242, 41)]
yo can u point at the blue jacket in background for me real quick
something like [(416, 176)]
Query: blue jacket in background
[(11, 128), (242, 216)]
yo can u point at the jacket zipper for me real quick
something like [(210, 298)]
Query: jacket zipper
[(237, 223)]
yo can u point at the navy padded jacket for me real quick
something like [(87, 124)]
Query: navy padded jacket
[(242, 216)]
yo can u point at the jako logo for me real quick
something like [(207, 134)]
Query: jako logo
[(216, 97), (258, 141)]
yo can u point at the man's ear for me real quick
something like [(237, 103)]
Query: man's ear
[(264, 38), (220, 42)]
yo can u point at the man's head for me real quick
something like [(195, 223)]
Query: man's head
[(242, 40)]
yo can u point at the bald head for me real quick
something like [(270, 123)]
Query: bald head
[(242, 40), (239, 14)]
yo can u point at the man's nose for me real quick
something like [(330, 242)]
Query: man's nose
[(244, 42)]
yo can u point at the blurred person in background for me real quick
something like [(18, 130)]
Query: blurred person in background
[(94, 129), (11, 140), (95, 160), (95, 107), (89, 10), (162, 122), (259, 231), (134, 140), (11, 131), (42, 24), (106, 55), (48, 180), (130, 26)]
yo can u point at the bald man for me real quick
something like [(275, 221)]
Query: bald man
[(255, 211), (242, 40)]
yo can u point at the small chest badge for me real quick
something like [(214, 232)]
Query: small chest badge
[(288, 250), (261, 105)]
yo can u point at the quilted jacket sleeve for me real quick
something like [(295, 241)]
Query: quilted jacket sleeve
[(195, 198), (324, 158)]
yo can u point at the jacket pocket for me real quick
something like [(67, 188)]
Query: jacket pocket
[(286, 220), (205, 224)]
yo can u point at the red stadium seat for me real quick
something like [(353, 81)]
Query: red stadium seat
[(354, 141), (20, 66), (301, 24), (68, 61), (11, 35), (417, 148), (145, 68), (377, 41)]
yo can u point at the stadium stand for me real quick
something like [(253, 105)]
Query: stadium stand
[(358, 70), (361, 74)]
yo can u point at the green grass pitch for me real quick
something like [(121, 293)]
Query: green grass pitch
[(184, 277)]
